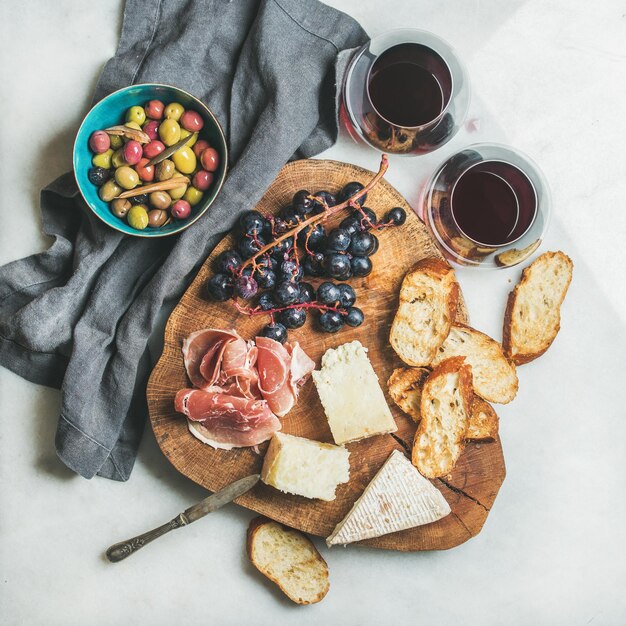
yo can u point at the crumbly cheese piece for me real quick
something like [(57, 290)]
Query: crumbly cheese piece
[(305, 467), (397, 498), (351, 395)]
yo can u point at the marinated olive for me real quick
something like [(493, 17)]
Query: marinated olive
[(210, 159), (193, 196), (185, 160), (141, 198), (120, 207), (98, 175), (156, 218), (151, 129), (192, 121), (165, 169), (133, 152), (109, 190), (99, 142), (160, 200), (146, 172), (152, 149), (103, 160), (116, 142), (178, 192), (169, 132), (136, 114), (126, 177), (154, 109), (133, 125), (200, 146), (138, 217), (173, 111), (117, 158), (185, 133), (181, 209), (202, 180)]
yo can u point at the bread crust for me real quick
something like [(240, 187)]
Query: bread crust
[(520, 358), (254, 528)]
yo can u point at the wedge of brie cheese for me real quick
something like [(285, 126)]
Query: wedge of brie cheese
[(305, 467), (351, 396), (397, 498)]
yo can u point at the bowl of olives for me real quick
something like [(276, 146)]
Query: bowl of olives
[(150, 159)]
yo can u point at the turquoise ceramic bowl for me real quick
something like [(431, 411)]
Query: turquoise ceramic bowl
[(109, 112)]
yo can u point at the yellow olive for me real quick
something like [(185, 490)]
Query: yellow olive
[(173, 111), (116, 142), (109, 190), (165, 170), (186, 133), (193, 196), (103, 159), (178, 192), (117, 160), (138, 217), (136, 114), (169, 132), (185, 160), (120, 206), (156, 218), (126, 177), (160, 200), (133, 125)]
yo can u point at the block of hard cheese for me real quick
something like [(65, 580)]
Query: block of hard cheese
[(305, 467), (351, 396), (397, 498)]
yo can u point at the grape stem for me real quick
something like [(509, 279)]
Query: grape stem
[(303, 305), (316, 219)]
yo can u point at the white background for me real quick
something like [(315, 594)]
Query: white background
[(553, 75)]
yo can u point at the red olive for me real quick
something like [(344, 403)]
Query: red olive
[(200, 146), (151, 129), (202, 180), (132, 152), (191, 121), (99, 142), (153, 149), (146, 174), (154, 109), (181, 209), (210, 159)]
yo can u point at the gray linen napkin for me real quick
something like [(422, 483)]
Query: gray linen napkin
[(78, 316)]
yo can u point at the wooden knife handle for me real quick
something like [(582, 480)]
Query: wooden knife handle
[(121, 550)]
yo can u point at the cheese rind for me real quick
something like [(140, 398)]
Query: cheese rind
[(305, 467), (351, 395), (397, 498)]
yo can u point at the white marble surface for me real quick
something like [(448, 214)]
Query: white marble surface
[(553, 75)]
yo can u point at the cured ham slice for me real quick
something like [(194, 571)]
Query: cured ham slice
[(202, 352), (226, 421), (282, 371)]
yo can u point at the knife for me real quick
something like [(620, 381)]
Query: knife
[(121, 550)]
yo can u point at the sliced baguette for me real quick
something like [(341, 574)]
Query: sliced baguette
[(445, 408), (405, 388), (533, 313), (495, 378), (428, 299), (289, 559)]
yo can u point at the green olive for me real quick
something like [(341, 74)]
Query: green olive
[(136, 114), (185, 160), (169, 132), (116, 142), (165, 170), (178, 192), (160, 200), (117, 159), (193, 196), (138, 217), (187, 133), (156, 218), (133, 125), (103, 159), (109, 190), (173, 111), (120, 206), (126, 177)]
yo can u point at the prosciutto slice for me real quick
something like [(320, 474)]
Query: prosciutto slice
[(226, 421), (282, 371), (202, 352)]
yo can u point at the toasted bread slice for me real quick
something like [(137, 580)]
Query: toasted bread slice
[(405, 389), (289, 559), (445, 407), (533, 313), (428, 299), (484, 423), (495, 378)]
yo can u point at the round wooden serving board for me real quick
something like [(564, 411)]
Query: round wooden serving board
[(474, 483)]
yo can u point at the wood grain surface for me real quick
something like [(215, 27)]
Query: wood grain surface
[(470, 489)]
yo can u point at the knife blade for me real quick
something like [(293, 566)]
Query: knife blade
[(121, 550)]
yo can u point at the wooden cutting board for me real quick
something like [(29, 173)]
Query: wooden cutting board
[(470, 489)]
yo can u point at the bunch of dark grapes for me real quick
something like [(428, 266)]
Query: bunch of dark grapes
[(278, 275)]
